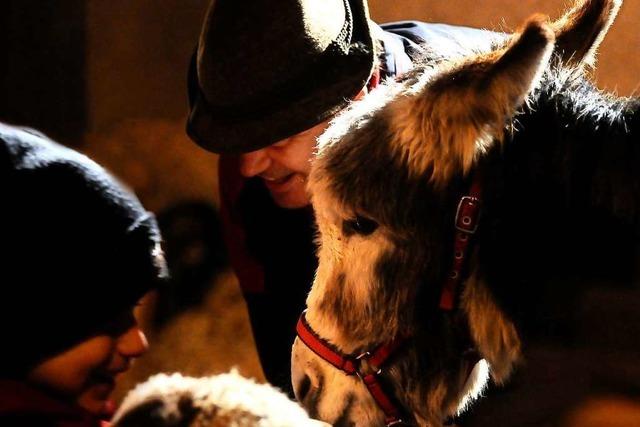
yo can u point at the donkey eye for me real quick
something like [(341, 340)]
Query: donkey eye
[(359, 225)]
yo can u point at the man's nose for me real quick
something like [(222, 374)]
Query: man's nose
[(133, 343), (254, 163)]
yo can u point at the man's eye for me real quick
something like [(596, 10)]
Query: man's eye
[(359, 225)]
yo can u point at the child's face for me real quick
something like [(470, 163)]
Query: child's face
[(86, 373)]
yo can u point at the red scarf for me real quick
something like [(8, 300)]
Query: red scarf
[(22, 405)]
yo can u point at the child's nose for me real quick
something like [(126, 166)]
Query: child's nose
[(133, 343)]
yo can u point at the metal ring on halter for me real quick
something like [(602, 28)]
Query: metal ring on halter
[(364, 355)]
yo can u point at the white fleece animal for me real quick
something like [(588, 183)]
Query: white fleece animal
[(228, 400)]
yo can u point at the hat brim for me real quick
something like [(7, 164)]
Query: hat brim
[(244, 133)]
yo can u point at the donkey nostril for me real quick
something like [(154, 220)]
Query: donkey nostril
[(303, 388)]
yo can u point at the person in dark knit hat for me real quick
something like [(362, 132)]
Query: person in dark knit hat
[(264, 81), (78, 253)]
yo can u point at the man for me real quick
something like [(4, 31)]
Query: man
[(263, 84)]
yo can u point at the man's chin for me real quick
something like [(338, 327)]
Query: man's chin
[(291, 199), (290, 203), (289, 192)]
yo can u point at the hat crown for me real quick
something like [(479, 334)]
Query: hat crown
[(325, 20), (246, 51)]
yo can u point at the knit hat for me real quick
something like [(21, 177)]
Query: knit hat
[(265, 70), (76, 249)]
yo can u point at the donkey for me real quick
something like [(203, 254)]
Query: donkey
[(443, 203)]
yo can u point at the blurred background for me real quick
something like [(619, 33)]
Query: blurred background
[(109, 78), (81, 70)]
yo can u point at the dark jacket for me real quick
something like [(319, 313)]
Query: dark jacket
[(271, 248), (21, 405)]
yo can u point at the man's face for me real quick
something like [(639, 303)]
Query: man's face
[(86, 373), (284, 167)]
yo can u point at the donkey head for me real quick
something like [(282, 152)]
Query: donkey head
[(385, 187)]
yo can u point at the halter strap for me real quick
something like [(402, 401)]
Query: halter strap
[(466, 224), (352, 365)]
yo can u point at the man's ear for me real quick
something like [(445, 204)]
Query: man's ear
[(374, 80), (453, 115), (582, 28), (361, 94)]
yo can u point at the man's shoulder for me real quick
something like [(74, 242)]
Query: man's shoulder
[(425, 32), (417, 39)]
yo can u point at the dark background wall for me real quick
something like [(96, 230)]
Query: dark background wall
[(137, 54), (75, 66), (42, 68)]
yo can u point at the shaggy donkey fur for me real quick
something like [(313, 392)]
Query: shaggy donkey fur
[(226, 400), (557, 159)]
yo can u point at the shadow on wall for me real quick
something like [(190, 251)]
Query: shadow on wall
[(157, 158), (195, 254), (178, 181)]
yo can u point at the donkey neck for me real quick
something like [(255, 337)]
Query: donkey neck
[(561, 197)]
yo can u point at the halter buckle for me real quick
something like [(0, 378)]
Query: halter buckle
[(467, 214), (375, 370)]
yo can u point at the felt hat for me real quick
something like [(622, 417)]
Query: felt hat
[(77, 249), (265, 70)]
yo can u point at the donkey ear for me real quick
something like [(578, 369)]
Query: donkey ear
[(580, 30), (453, 116)]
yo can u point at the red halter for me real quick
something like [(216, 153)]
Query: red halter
[(353, 365), (466, 224)]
